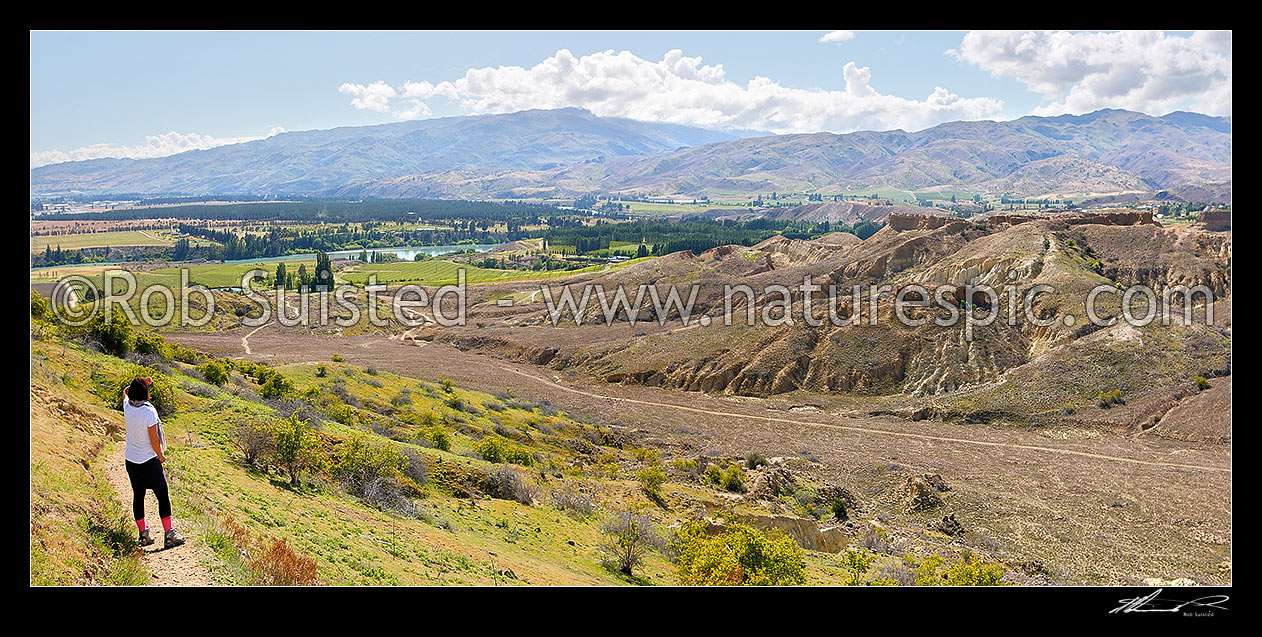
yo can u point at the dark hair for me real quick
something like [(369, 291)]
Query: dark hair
[(138, 390)]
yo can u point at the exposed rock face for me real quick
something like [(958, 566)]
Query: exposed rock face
[(85, 419), (1214, 220), (784, 252), (901, 221), (770, 483), (806, 533), (935, 480), (919, 495), (1113, 218)]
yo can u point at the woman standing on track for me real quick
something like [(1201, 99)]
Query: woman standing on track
[(144, 458)]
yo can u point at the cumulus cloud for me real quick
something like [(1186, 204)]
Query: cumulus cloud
[(682, 90), (837, 36), (154, 146), (373, 97), (416, 109), (1145, 71)]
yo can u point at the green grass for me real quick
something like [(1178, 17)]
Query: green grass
[(439, 272), (110, 239), (223, 275)]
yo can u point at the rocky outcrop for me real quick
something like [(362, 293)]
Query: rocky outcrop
[(919, 495), (806, 533), (1214, 220), (1112, 218), (948, 525), (902, 221)]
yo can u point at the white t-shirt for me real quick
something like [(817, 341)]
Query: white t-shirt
[(138, 421)]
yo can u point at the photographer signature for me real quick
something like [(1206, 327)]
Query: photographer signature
[(1150, 604)]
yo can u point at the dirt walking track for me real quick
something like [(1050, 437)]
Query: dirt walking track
[(186, 565)]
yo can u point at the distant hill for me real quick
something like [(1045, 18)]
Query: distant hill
[(309, 162), (569, 152)]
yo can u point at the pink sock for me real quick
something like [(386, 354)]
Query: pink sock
[(166, 523), (140, 524)]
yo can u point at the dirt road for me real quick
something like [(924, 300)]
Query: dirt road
[(186, 565)]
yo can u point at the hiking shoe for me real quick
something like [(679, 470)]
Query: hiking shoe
[(172, 539), (145, 539)]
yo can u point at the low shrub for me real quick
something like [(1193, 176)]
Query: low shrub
[(651, 479), (215, 372), (116, 336), (150, 343), (573, 502), (254, 440), (739, 555), (753, 460), (161, 391), (276, 386), (495, 448), (628, 539), (438, 437), (1106, 399), (507, 484)]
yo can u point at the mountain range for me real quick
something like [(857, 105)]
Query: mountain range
[(569, 152)]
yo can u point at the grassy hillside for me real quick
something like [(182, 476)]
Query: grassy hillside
[(406, 482), (79, 531)]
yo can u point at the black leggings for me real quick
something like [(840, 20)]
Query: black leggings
[(148, 475)]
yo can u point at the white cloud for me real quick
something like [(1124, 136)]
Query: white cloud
[(1142, 71), (373, 97), (682, 90), (837, 36), (154, 146), (416, 110)]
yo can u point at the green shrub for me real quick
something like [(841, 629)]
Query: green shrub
[(856, 564), (322, 370), (359, 461), (40, 307), (276, 386), (338, 359), (1106, 399), (491, 448), (651, 480), (838, 508), (733, 479), (495, 448), (647, 454), (295, 447), (969, 571), (183, 354), (438, 437), (215, 372), (713, 474), (753, 460), (161, 392), (738, 556), (1201, 383), (150, 343), (687, 465), (116, 336)]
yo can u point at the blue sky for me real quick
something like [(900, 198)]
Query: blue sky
[(142, 94)]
